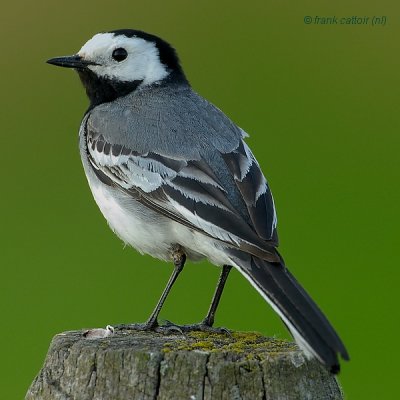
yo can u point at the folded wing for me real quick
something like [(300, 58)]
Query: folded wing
[(190, 192)]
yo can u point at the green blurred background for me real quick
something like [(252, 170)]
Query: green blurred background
[(321, 104)]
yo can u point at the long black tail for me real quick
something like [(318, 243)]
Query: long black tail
[(308, 325)]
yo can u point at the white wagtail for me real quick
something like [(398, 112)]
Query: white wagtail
[(174, 178)]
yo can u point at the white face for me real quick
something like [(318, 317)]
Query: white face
[(142, 62)]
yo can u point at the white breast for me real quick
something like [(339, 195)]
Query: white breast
[(132, 222), (150, 232)]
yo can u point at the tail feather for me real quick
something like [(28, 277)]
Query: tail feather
[(308, 325), (305, 304)]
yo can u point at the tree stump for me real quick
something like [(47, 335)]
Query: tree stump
[(144, 366)]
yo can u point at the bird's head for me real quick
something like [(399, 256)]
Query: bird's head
[(113, 64)]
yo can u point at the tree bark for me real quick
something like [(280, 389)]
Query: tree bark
[(144, 366)]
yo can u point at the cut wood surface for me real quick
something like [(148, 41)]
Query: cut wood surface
[(148, 365)]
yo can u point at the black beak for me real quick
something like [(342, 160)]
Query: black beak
[(74, 61)]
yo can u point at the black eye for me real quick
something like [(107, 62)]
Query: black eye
[(119, 54)]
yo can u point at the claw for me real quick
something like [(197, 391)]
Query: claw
[(170, 328), (200, 327), (137, 327)]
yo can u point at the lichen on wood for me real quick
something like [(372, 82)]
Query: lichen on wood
[(197, 366)]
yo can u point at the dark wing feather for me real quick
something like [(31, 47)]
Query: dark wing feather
[(254, 190)]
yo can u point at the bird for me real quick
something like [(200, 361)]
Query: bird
[(175, 179)]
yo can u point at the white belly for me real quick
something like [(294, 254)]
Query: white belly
[(150, 232), (132, 222)]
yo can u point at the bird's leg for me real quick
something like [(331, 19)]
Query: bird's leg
[(209, 319), (207, 324), (179, 258)]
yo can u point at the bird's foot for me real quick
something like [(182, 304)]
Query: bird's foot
[(140, 327), (150, 327), (199, 327), (170, 328)]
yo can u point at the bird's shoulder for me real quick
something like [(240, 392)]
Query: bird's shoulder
[(163, 119)]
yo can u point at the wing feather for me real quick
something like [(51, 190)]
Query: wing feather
[(189, 192), (254, 190)]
